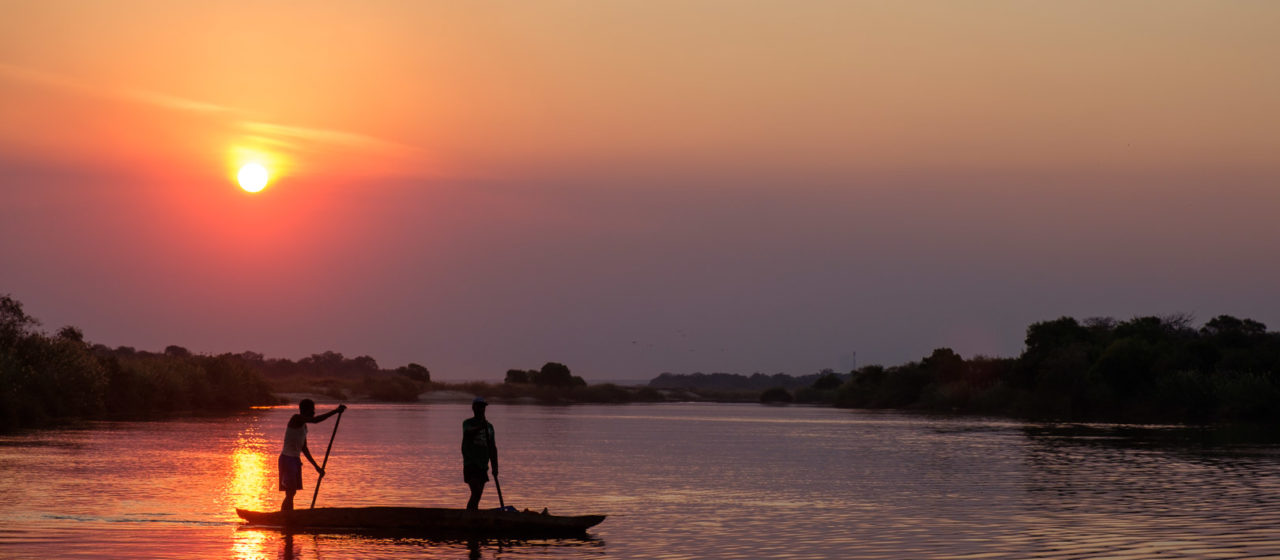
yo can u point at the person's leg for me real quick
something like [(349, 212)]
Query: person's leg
[(290, 479), (477, 489)]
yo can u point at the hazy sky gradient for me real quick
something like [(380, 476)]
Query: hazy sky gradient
[(635, 187)]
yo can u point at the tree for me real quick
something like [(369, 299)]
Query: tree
[(1128, 366), (326, 363), (71, 334), (175, 351), (945, 365), (415, 372), (364, 364), (775, 395), (554, 374), (828, 381), (1149, 329), (1047, 336), (1232, 331), (14, 322), (517, 376)]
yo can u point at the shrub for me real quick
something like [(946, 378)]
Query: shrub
[(396, 388), (415, 372), (775, 395), (518, 376)]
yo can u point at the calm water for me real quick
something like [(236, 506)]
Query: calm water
[(677, 481)]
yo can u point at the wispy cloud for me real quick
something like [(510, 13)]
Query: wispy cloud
[(320, 135), (283, 135), (49, 80), (173, 102), (12, 73)]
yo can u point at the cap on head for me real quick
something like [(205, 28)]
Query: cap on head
[(479, 401)]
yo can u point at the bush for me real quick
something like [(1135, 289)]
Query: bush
[(519, 376), (415, 372), (45, 378), (1186, 394), (827, 382), (775, 395), (395, 388), (814, 395), (1247, 396), (554, 374)]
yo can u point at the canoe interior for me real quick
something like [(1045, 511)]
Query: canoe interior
[(437, 521)]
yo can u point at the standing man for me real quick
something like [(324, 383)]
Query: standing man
[(295, 444), (478, 450)]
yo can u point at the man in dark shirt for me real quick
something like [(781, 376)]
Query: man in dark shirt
[(478, 451)]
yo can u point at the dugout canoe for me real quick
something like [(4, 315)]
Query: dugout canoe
[(427, 521)]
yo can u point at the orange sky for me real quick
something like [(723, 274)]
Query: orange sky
[(465, 89), (610, 160)]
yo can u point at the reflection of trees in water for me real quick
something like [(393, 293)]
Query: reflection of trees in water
[(1152, 470), (1147, 492)]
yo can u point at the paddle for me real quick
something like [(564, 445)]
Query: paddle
[(325, 463), (502, 506)]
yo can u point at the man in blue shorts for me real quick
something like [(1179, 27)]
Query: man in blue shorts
[(295, 444)]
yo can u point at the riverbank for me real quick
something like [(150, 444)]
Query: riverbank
[(1146, 369), (329, 391)]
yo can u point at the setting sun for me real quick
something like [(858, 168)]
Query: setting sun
[(252, 177)]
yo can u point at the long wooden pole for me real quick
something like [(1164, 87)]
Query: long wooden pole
[(501, 504), (325, 463)]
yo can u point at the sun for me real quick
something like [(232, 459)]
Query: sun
[(253, 177)]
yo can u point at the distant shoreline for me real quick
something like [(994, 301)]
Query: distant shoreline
[(1143, 370)]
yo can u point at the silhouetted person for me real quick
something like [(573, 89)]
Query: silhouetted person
[(295, 444), (478, 451)]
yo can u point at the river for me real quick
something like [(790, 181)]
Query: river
[(676, 480)]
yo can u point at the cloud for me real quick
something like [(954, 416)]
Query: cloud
[(282, 135), (35, 77), (173, 102), (320, 135), (58, 82)]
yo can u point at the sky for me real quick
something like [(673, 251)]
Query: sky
[(632, 188)]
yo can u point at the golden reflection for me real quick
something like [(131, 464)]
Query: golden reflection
[(249, 487), (251, 475), (249, 544)]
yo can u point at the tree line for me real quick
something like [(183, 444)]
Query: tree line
[(45, 377), (737, 381), (1142, 369), (48, 378)]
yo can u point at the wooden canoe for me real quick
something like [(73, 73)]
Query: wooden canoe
[(426, 521)]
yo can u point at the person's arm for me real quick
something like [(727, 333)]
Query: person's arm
[(325, 416), (493, 451), (307, 452)]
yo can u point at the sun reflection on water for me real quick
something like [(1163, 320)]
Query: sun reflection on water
[(249, 545), (249, 485)]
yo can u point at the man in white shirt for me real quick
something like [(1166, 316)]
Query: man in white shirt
[(295, 444)]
